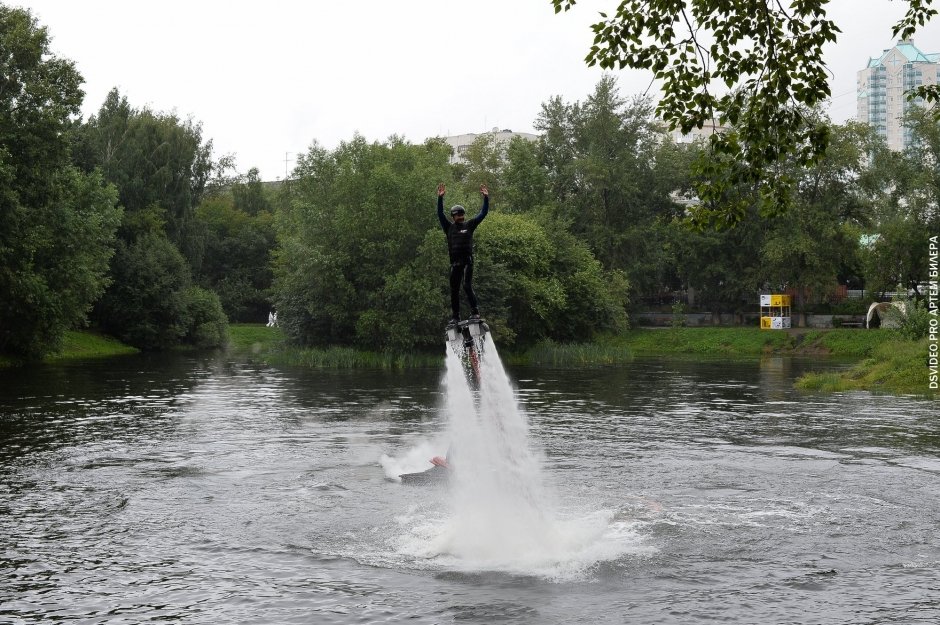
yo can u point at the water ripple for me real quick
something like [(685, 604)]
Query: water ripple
[(195, 489)]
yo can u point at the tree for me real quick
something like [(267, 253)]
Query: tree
[(239, 239), (601, 158), (525, 180), (362, 260), (206, 325), (155, 160), (756, 67), (906, 209), (534, 283), (484, 164), (352, 219), (249, 195), (722, 266), (815, 242), (56, 223), (145, 306), (161, 167)]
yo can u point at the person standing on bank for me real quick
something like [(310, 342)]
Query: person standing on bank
[(460, 245)]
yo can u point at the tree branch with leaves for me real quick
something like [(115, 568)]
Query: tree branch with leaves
[(754, 66)]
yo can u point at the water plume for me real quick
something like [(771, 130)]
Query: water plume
[(498, 512)]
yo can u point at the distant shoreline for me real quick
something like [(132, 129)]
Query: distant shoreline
[(886, 362)]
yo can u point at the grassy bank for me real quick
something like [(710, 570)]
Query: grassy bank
[(350, 358), (889, 365), (256, 338), (87, 344), (737, 342), (895, 367), (268, 345), (81, 344)]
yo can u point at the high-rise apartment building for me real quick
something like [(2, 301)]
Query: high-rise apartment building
[(882, 85)]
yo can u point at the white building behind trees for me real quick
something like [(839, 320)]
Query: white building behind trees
[(461, 143)]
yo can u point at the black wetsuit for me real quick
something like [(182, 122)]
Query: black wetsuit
[(460, 246)]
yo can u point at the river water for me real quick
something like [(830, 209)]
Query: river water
[(204, 489)]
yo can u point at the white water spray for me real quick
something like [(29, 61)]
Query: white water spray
[(503, 516), (500, 508)]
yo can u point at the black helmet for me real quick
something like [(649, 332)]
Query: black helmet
[(457, 209)]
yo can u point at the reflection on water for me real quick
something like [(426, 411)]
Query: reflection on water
[(196, 489)]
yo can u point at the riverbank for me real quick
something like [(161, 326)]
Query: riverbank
[(887, 364), (81, 344), (895, 367), (269, 345), (727, 342)]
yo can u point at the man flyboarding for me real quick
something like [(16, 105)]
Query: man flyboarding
[(460, 245), (459, 235)]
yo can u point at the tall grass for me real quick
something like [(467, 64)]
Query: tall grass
[(895, 366), (846, 342), (558, 354), (350, 358), (674, 341), (269, 344), (735, 342)]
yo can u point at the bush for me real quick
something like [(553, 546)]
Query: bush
[(850, 307), (206, 325), (915, 323), (145, 305)]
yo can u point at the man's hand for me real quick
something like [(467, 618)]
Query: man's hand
[(484, 190), (440, 189)]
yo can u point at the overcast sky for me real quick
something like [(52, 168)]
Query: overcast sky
[(267, 79)]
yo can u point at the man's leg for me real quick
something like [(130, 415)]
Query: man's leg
[(468, 289), (456, 273)]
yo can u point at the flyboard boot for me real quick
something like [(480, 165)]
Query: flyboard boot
[(467, 338)]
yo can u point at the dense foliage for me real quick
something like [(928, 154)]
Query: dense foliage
[(756, 68), (57, 223), (362, 260), (126, 215), (160, 166), (238, 228)]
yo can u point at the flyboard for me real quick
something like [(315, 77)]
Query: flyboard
[(466, 339)]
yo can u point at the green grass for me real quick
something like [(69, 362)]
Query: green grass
[(896, 367), (740, 341), (559, 354), (349, 358), (270, 346), (80, 344), (847, 342), (613, 349), (254, 337)]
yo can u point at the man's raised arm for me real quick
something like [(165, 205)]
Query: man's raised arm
[(440, 207)]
